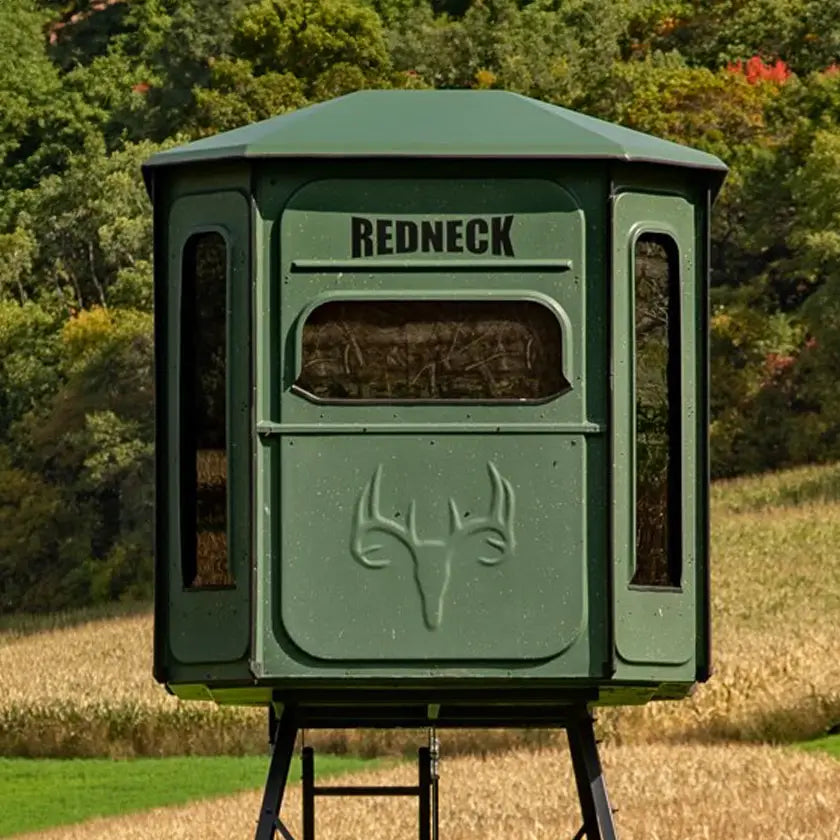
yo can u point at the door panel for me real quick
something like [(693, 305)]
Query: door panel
[(448, 547)]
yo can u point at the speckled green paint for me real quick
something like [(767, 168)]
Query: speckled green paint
[(552, 609)]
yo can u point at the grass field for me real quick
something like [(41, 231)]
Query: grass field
[(830, 744), (35, 795)]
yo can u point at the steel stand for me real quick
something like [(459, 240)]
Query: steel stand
[(422, 790), (595, 807)]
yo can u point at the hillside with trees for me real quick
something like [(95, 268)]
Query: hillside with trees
[(91, 88)]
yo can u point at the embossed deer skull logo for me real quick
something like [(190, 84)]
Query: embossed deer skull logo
[(487, 539)]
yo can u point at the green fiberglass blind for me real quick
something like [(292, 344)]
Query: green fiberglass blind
[(204, 503), (431, 350), (658, 406)]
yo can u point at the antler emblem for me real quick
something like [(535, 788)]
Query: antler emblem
[(487, 539)]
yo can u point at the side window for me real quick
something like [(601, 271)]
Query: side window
[(658, 412), (432, 351), (203, 387)]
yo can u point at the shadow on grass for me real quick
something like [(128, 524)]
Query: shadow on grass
[(125, 730), (794, 724), (789, 488), (18, 625)]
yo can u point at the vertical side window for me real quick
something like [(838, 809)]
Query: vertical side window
[(658, 412), (204, 502)]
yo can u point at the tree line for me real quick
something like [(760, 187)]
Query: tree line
[(91, 88)]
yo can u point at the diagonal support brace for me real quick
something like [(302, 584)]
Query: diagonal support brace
[(595, 806), (278, 772)]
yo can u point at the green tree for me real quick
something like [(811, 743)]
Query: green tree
[(236, 96), (17, 250), (310, 37), (29, 360), (91, 441), (287, 54), (85, 30), (92, 226), (28, 84), (175, 42), (32, 516), (714, 33), (753, 401), (551, 50)]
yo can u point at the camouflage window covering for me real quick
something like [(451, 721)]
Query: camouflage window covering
[(432, 350)]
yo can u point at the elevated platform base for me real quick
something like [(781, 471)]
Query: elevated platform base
[(597, 814)]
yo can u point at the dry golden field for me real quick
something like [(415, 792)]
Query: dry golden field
[(705, 768), (88, 689), (662, 792)]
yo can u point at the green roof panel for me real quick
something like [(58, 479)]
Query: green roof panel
[(441, 124)]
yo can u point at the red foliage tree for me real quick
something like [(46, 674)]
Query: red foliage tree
[(755, 70)]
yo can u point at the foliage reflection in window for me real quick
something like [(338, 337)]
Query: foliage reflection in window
[(658, 406), (204, 501)]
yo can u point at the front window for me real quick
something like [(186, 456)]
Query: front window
[(432, 350)]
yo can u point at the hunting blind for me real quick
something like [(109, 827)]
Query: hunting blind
[(432, 412)]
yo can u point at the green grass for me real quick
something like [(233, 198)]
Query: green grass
[(828, 743), (41, 793)]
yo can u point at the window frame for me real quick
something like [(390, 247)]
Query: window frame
[(189, 535), (566, 366)]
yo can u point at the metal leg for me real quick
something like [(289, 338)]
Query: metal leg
[(278, 772), (594, 803), (307, 762), (434, 754), (424, 784)]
